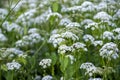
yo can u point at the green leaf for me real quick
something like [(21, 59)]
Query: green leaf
[(4, 67), (54, 58), (56, 7), (64, 63), (22, 60)]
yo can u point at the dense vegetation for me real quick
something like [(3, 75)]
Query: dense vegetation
[(59, 40)]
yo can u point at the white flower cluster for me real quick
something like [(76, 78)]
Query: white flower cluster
[(22, 55), (14, 50), (112, 5), (19, 5), (101, 6), (87, 21), (116, 30), (98, 42), (95, 79), (76, 46), (54, 31), (89, 67), (117, 37), (33, 30), (30, 4), (109, 50), (47, 77), (58, 39), (3, 13), (12, 27), (108, 35), (44, 3), (3, 38), (42, 18), (73, 2), (29, 40), (79, 46), (26, 17), (13, 65), (35, 38), (72, 9), (64, 49), (73, 24), (117, 15), (55, 14), (37, 77), (69, 35), (87, 6), (64, 22), (88, 38), (11, 52), (117, 33), (103, 16), (92, 26), (45, 63), (110, 23)]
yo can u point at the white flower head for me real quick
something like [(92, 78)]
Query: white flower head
[(117, 15), (95, 79), (56, 40), (117, 37), (54, 31), (13, 65), (45, 63), (54, 14), (3, 13), (73, 24), (11, 27), (3, 38), (92, 26), (63, 49), (33, 30), (87, 21), (88, 38), (72, 9), (80, 46), (87, 6), (29, 40), (70, 35), (103, 16), (89, 67), (64, 21), (35, 38), (22, 55), (116, 30), (109, 51), (26, 18), (108, 35), (101, 6), (47, 77), (21, 43), (98, 42)]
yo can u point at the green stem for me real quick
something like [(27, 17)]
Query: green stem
[(0, 72), (52, 70), (9, 13)]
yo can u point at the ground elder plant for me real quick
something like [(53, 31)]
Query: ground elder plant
[(60, 40)]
